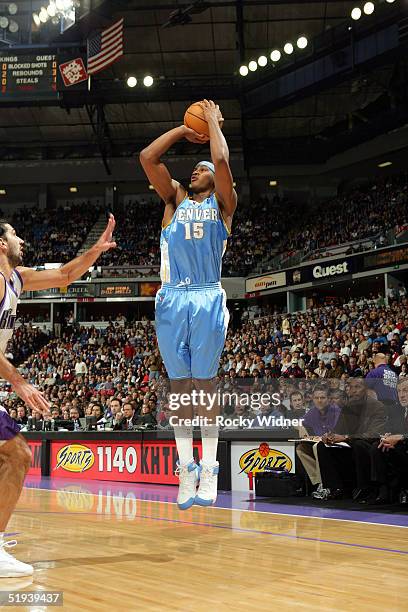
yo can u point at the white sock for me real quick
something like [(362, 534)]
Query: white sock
[(184, 443), (209, 435)]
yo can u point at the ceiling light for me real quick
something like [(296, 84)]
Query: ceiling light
[(356, 13), (151, 187), (252, 66), (262, 61), (73, 189), (273, 183), (12, 8), (13, 26), (51, 9), (132, 81), (148, 81), (234, 184), (36, 19), (369, 8), (4, 22), (275, 55), (288, 48), (243, 71), (390, 1), (60, 5), (2, 192), (302, 42), (43, 15), (385, 164)]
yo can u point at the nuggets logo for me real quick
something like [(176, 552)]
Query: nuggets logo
[(257, 459), (75, 458)]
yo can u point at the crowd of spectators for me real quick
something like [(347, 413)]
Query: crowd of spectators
[(83, 370), (55, 235), (328, 341), (116, 376), (361, 214), (137, 235), (269, 227), (93, 365)]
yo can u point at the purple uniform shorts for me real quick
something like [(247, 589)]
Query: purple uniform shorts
[(8, 428)]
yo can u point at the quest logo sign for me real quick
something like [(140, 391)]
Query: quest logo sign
[(334, 270)]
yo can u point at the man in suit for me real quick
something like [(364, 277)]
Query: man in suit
[(129, 420), (362, 420), (391, 451)]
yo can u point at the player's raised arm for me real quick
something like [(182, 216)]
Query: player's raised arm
[(224, 187), (29, 394), (35, 280), (170, 191)]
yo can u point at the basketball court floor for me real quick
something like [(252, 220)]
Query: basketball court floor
[(111, 546)]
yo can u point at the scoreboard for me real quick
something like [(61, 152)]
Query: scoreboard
[(28, 77)]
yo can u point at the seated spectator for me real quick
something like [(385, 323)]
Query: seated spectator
[(129, 420), (297, 405), (336, 369), (321, 418), (164, 418), (22, 415), (362, 420), (390, 452), (146, 418)]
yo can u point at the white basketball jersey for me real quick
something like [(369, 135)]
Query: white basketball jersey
[(8, 308)]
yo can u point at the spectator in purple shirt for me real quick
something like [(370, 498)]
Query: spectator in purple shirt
[(320, 419), (323, 415), (383, 380)]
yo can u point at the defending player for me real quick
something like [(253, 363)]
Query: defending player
[(191, 314), (15, 455)]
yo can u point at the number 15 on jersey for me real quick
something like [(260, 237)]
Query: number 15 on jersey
[(198, 230)]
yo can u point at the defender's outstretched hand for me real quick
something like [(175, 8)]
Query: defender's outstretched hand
[(32, 396), (105, 241)]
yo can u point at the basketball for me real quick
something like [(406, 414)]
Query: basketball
[(194, 119), (264, 449)]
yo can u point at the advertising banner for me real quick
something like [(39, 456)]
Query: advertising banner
[(153, 462), (254, 457), (264, 282), (35, 448), (322, 272)]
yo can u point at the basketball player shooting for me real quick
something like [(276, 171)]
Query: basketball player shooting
[(191, 313), (15, 455)]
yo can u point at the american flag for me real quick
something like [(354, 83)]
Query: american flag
[(105, 47)]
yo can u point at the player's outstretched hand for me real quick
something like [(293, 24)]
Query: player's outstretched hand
[(105, 242), (212, 111), (32, 397), (193, 136)]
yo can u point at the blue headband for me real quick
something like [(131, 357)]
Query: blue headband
[(207, 164)]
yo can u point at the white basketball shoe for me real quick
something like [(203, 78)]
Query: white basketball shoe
[(207, 490), (188, 479), (9, 566)]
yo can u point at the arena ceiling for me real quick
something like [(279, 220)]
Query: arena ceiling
[(201, 58)]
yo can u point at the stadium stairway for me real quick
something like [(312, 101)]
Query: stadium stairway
[(94, 233)]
